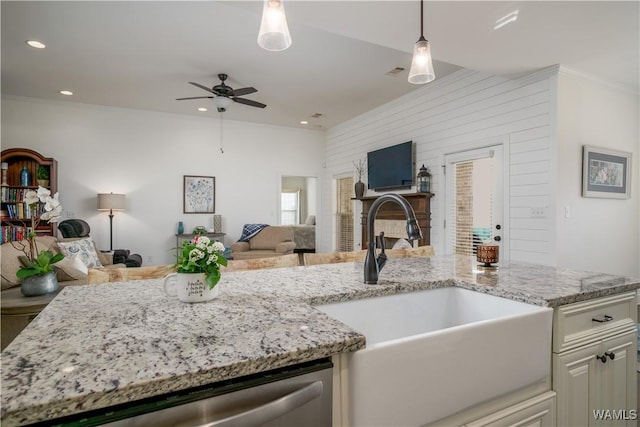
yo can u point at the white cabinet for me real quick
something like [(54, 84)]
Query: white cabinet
[(594, 362), (535, 412)]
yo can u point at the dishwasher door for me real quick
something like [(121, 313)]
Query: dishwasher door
[(277, 399)]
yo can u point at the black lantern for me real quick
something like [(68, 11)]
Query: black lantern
[(424, 180)]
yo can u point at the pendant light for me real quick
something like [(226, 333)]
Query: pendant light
[(274, 32), (421, 67)]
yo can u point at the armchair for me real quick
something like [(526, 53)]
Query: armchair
[(78, 228), (269, 242)]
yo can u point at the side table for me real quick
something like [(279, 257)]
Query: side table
[(18, 311)]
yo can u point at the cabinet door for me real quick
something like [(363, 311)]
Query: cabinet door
[(575, 380), (535, 412), (617, 405)]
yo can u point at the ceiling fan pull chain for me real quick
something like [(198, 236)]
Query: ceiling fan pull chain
[(221, 134)]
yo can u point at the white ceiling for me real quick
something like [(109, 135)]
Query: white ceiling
[(143, 54)]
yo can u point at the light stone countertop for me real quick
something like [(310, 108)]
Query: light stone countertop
[(96, 346)]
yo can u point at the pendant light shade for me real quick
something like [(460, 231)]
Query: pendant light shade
[(421, 65), (274, 32)]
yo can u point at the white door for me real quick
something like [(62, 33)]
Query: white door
[(474, 201)]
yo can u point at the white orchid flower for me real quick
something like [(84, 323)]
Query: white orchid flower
[(43, 193), (51, 203), (31, 197), (53, 215)]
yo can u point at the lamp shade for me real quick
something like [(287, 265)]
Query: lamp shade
[(421, 66), (274, 32), (111, 201)]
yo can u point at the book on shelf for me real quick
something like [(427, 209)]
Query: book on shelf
[(13, 233), (23, 210)]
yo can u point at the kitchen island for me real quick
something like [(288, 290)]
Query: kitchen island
[(97, 346)]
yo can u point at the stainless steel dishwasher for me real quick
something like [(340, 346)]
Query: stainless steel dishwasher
[(295, 396)]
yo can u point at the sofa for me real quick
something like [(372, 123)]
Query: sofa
[(80, 255), (268, 242)]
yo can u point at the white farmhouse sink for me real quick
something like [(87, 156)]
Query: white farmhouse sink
[(431, 354)]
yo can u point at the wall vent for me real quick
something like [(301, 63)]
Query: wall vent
[(316, 115)]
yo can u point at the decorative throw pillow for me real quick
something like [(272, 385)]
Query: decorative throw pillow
[(70, 268), (10, 265), (83, 248), (10, 253)]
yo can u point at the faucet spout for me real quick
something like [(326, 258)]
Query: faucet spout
[(372, 264)]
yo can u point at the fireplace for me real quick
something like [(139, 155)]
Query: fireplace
[(391, 219)]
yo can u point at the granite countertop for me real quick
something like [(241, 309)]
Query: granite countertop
[(96, 346)]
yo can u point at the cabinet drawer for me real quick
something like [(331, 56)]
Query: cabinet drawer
[(583, 322)]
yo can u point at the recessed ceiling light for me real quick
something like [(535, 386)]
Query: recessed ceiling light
[(66, 92), (304, 122), (36, 44), (202, 109)]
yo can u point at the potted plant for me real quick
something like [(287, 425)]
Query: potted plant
[(202, 256), (197, 270), (38, 276), (361, 168), (42, 176)]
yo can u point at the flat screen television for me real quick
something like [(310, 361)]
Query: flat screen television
[(391, 167)]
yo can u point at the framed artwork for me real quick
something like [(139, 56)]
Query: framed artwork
[(199, 194), (606, 173)]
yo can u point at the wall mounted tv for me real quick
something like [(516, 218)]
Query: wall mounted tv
[(391, 167)]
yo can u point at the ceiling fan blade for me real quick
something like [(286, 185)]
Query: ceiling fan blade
[(249, 102), (195, 97), (202, 87), (244, 91)]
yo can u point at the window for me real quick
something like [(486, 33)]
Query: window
[(290, 207), (344, 215), (474, 200)]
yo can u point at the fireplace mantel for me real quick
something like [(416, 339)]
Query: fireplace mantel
[(421, 204)]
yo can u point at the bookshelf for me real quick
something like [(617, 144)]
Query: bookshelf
[(15, 214)]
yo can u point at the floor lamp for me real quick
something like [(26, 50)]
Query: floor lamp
[(110, 202)]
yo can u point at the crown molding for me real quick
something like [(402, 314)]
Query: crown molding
[(570, 72)]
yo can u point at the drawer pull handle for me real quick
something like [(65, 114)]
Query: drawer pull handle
[(602, 319), (610, 354), (602, 358)]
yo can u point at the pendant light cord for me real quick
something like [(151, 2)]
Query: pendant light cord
[(422, 18)]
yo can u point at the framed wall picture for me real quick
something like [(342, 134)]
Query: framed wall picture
[(199, 194), (606, 173)]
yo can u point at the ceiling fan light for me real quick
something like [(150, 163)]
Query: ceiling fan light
[(421, 71), (274, 32), (222, 102)]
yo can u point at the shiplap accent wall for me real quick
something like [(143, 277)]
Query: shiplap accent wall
[(462, 111)]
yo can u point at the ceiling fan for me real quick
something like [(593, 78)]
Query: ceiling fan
[(225, 94)]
